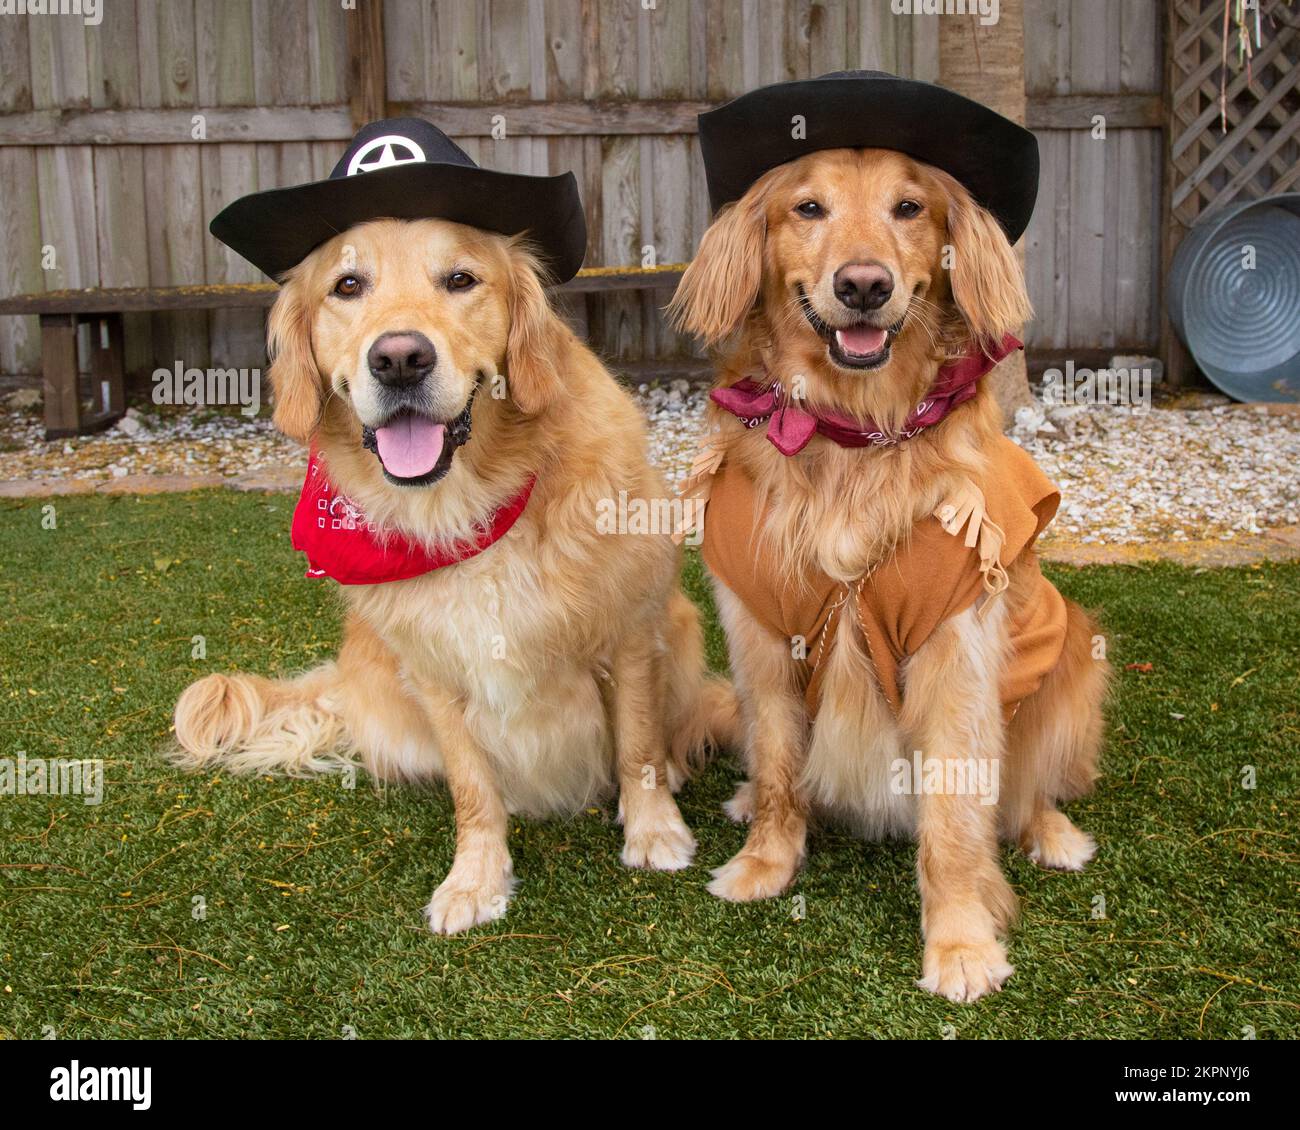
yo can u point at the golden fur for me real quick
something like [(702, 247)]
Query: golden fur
[(956, 284), (534, 677)]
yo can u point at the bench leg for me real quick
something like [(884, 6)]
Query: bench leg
[(59, 373), (108, 365)]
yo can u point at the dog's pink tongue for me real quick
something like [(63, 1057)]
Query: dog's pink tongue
[(861, 340), (410, 446)]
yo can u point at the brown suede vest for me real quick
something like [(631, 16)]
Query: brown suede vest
[(900, 603)]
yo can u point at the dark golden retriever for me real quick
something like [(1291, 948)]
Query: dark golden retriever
[(857, 274)]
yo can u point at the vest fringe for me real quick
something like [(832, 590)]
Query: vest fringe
[(964, 509), (697, 486)]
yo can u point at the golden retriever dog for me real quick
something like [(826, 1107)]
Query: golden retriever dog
[(560, 662), (858, 272)]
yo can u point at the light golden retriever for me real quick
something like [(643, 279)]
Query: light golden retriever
[(944, 279), (534, 677)]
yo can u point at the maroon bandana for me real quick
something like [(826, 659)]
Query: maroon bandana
[(790, 427), (340, 542)]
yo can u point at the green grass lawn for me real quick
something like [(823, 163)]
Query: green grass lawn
[(313, 892)]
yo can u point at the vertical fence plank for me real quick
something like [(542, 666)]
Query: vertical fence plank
[(539, 154), (1042, 44), (223, 31), (124, 238), (60, 78), (405, 51), (1040, 253), (1109, 67), (327, 55), (877, 28), (1139, 47), (224, 34), (20, 259), (828, 36), (726, 47), (564, 77), (1087, 235), (20, 219), (173, 176), (1089, 59), (15, 68), (65, 174), (1062, 264), (65, 178), (113, 63), (1140, 288), (281, 77), (666, 182), (453, 53), (560, 40), (505, 75), (611, 28), (925, 51)]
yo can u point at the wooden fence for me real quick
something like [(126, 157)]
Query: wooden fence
[(107, 180), (1092, 248)]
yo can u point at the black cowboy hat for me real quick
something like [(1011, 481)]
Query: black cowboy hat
[(994, 158), (406, 169)]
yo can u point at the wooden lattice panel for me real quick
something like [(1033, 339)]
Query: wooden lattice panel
[(1260, 152)]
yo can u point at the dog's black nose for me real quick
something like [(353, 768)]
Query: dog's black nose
[(863, 286), (398, 359)]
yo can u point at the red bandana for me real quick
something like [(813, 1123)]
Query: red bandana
[(790, 427), (340, 542)]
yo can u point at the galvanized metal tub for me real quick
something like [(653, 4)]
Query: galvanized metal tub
[(1234, 297)]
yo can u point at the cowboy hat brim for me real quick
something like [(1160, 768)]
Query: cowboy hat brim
[(276, 229), (993, 157)]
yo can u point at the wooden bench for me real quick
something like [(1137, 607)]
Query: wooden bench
[(62, 311)]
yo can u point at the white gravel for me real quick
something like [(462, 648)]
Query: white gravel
[(1209, 470), (1172, 474), (676, 416), (174, 442)]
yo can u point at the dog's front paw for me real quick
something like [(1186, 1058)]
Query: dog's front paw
[(964, 971), (740, 808), (663, 843), (1055, 842), (746, 877), (464, 900)]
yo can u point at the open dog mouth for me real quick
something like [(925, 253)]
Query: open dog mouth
[(860, 346), (414, 449)]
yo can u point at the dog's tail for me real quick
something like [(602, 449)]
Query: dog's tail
[(702, 711), (249, 724)]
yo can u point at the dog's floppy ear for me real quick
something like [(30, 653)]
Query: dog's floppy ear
[(538, 338), (988, 284), (299, 394), (721, 285)]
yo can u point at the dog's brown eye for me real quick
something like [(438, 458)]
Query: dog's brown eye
[(809, 209), (347, 286), (907, 209), (460, 280)]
